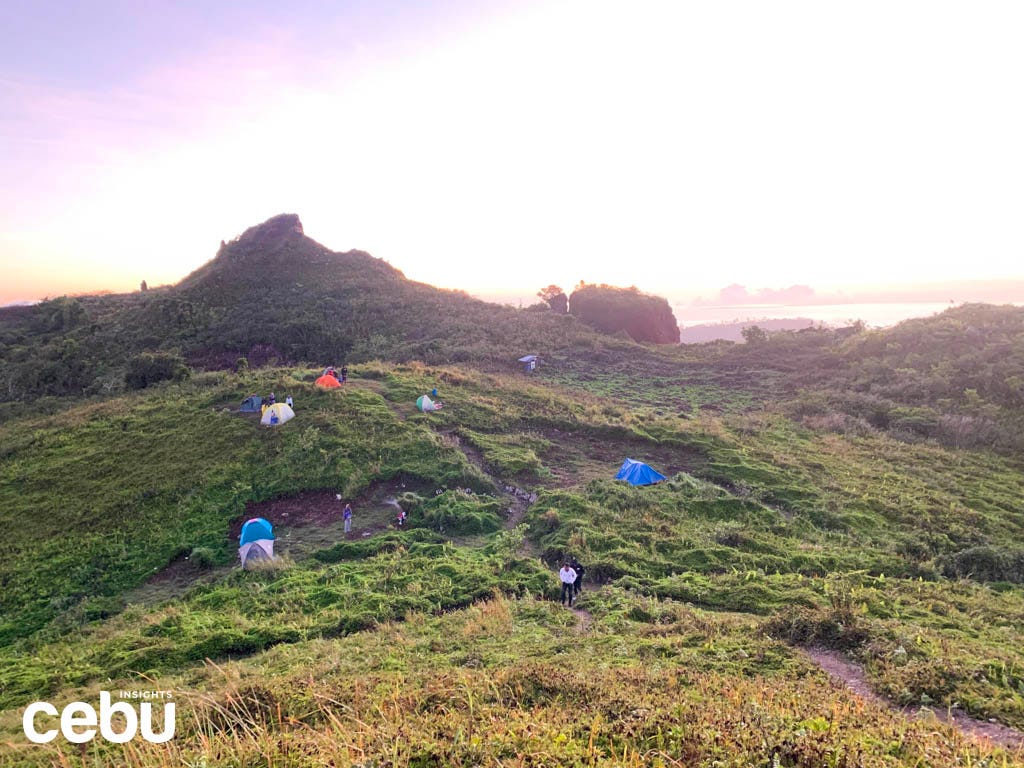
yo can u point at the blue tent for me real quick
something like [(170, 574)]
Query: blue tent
[(256, 529), (638, 473), (256, 542)]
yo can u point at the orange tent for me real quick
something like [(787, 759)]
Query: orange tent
[(328, 381)]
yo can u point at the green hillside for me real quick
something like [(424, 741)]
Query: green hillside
[(444, 643), (271, 296), (846, 500)]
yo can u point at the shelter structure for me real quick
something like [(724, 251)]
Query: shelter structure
[(256, 544), (638, 473), (251, 404), (529, 363), (277, 414), (427, 405), (328, 381)]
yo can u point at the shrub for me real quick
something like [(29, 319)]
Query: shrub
[(458, 512), (153, 367), (985, 563), (831, 628), (203, 557)]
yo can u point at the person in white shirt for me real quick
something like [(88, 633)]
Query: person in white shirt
[(568, 577)]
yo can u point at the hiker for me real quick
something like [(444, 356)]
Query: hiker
[(568, 577), (433, 392), (347, 515), (401, 517), (274, 419), (344, 374), (577, 586), (288, 401), (271, 399)]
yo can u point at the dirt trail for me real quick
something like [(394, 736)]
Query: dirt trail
[(852, 676), (519, 500), (585, 620)]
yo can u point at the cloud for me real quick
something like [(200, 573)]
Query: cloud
[(736, 294)]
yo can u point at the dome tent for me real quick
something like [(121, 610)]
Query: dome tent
[(256, 542), (251, 404), (277, 414), (426, 405), (328, 381), (638, 473)]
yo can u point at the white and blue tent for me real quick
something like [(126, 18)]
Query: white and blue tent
[(256, 542), (529, 363), (638, 473)]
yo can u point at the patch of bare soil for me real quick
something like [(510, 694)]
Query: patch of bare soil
[(581, 457), (852, 676), (321, 507), (303, 523), (174, 579)]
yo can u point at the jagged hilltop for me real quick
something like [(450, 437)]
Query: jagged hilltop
[(271, 294)]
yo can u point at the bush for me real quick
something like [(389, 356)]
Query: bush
[(203, 557), (835, 628), (458, 512), (153, 367), (985, 563)]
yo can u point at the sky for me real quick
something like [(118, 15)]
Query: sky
[(500, 146)]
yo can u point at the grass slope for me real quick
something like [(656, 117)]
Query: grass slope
[(440, 644)]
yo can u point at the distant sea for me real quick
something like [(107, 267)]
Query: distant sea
[(874, 315)]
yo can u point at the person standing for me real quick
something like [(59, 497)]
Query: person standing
[(346, 515), (577, 585), (568, 578), (288, 401), (344, 374)]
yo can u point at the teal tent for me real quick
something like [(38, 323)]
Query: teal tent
[(251, 404), (638, 473)]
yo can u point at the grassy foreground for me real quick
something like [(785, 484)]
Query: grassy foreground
[(443, 644)]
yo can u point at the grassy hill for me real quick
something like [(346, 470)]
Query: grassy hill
[(442, 643), (834, 497), (275, 296)]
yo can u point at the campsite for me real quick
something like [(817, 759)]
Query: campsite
[(846, 554), (498, 490), (516, 384)]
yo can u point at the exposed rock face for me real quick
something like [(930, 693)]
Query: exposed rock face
[(274, 228), (614, 310)]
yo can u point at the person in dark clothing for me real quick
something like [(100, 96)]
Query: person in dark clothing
[(577, 586), (344, 374)]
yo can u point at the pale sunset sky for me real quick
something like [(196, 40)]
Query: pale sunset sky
[(500, 146)]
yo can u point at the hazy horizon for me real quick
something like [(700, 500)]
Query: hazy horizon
[(501, 146)]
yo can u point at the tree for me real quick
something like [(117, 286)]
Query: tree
[(153, 367), (556, 298), (635, 315), (754, 334)]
